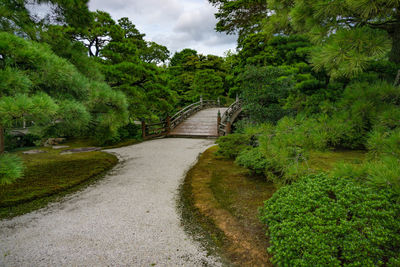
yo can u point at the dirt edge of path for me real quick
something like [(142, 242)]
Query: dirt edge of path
[(215, 227)]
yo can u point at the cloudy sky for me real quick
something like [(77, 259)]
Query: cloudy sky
[(176, 24)]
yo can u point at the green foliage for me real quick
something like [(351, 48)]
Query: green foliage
[(193, 75), (231, 145), (47, 72), (349, 52), (50, 176), (253, 159), (129, 65), (109, 110), (384, 143), (72, 120), (16, 16), (38, 108), (384, 173), (326, 19), (364, 107), (59, 39), (242, 16), (13, 81), (208, 84), (324, 221), (11, 168), (260, 49), (15, 142), (262, 90), (130, 130)]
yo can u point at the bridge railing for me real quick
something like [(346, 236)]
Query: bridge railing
[(164, 127), (225, 121)]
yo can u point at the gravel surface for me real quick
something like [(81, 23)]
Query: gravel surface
[(127, 219)]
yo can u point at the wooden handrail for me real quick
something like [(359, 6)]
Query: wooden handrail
[(171, 122), (224, 123)]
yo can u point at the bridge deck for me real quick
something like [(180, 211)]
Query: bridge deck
[(201, 124)]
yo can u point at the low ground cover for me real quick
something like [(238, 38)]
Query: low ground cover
[(225, 201), (50, 175), (230, 197)]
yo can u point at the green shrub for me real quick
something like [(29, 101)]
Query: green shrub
[(73, 119), (380, 173), (109, 109), (285, 147), (231, 145), (324, 221), (40, 69), (11, 168), (263, 89), (130, 130), (384, 173), (253, 159), (12, 142), (382, 142), (364, 107)]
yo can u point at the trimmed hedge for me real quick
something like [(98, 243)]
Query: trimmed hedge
[(325, 221)]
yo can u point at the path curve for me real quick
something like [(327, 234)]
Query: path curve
[(129, 218)]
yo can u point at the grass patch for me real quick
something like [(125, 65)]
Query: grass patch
[(225, 201), (128, 142), (326, 161), (76, 143), (49, 176), (201, 228)]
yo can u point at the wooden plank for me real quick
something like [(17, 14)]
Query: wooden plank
[(203, 123)]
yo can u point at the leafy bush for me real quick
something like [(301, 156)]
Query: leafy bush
[(253, 159), (13, 142), (11, 168), (365, 107), (231, 145), (285, 147), (263, 89), (324, 221), (381, 173), (109, 110), (40, 69), (73, 120), (380, 143), (130, 130)]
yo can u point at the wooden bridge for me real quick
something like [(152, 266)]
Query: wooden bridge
[(205, 118)]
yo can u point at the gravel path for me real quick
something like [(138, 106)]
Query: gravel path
[(127, 219)]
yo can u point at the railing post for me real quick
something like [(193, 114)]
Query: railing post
[(143, 129), (1, 140), (218, 103), (228, 126), (168, 124), (397, 80), (218, 121), (201, 101), (237, 97)]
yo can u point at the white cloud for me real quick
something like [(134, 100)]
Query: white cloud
[(177, 24)]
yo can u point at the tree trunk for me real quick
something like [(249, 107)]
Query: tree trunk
[(1, 139), (395, 53)]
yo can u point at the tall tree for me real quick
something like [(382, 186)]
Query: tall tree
[(97, 35), (129, 67), (322, 18), (16, 17), (240, 17)]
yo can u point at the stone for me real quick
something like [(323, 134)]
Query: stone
[(59, 147), (53, 141), (32, 152), (80, 150)]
